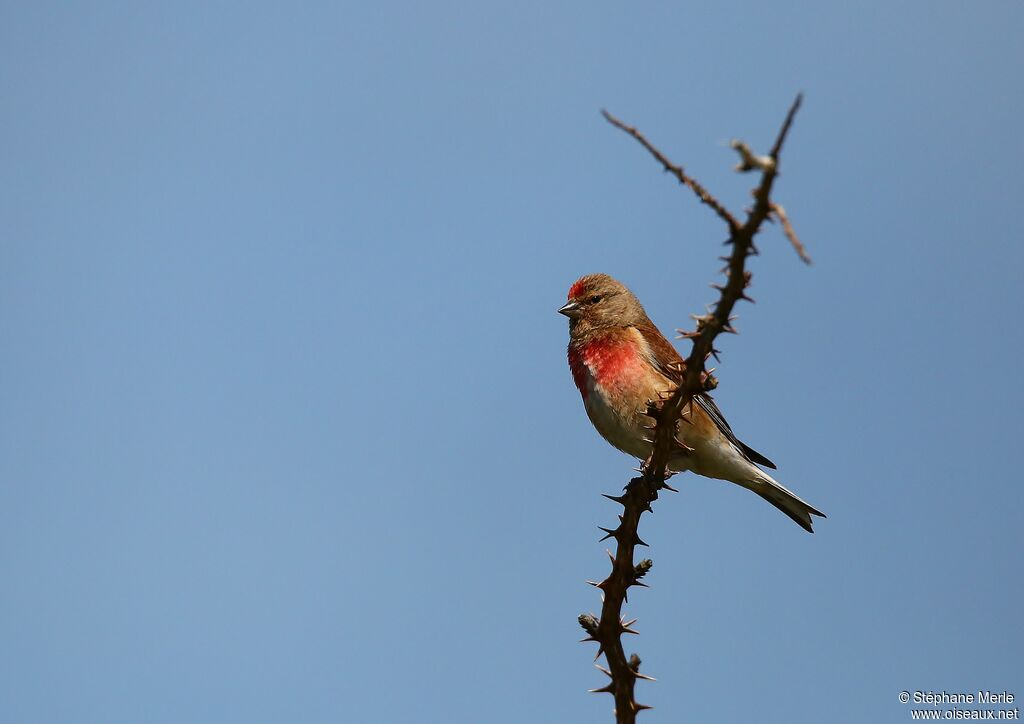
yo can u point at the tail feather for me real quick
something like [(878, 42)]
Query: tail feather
[(770, 489)]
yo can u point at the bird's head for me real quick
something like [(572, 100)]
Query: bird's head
[(597, 301)]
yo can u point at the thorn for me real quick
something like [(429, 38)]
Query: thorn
[(606, 689), (636, 538), (666, 486), (620, 499), (610, 556), (609, 533), (634, 666), (604, 670), (641, 707)]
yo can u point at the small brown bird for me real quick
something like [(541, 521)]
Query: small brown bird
[(620, 361)]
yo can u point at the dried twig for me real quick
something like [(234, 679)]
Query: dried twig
[(678, 172), (790, 232), (643, 490)]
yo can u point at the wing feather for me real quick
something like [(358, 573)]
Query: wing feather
[(666, 358)]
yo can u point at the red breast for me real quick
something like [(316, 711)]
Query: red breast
[(613, 361)]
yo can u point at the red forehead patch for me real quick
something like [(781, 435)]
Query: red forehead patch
[(576, 290)]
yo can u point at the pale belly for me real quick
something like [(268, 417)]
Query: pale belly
[(712, 455), (620, 431), (624, 426)]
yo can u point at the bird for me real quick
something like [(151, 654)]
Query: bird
[(621, 362)]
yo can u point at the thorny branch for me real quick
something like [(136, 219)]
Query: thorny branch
[(643, 490)]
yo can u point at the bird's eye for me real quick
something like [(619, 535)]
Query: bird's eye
[(595, 299)]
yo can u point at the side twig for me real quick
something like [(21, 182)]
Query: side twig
[(642, 491), (780, 213), (677, 171)]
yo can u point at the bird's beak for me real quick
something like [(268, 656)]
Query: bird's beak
[(570, 309)]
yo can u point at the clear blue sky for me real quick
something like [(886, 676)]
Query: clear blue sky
[(286, 428)]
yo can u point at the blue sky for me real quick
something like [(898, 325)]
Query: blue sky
[(286, 428)]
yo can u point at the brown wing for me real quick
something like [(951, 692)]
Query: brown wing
[(664, 355), (668, 361), (709, 406)]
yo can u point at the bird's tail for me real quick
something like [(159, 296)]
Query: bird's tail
[(768, 488)]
